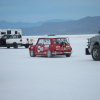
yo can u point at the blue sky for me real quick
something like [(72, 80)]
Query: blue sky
[(42, 10)]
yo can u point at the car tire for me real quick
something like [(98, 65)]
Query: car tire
[(96, 53), (68, 55), (15, 45), (27, 46), (32, 53), (49, 54), (8, 47)]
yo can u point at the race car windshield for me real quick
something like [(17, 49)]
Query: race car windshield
[(59, 41)]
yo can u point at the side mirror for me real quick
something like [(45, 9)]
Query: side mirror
[(99, 32)]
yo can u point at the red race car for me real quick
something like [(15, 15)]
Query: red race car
[(49, 46)]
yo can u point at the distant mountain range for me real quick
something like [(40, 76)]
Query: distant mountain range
[(87, 25), (12, 25)]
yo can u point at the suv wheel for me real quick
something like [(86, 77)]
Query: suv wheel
[(8, 47), (15, 45), (26, 46), (49, 54), (96, 53), (32, 53)]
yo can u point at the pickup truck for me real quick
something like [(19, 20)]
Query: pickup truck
[(94, 47), (13, 38)]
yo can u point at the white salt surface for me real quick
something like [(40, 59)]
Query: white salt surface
[(40, 78)]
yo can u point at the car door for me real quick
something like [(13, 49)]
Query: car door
[(9, 39), (39, 47), (46, 45)]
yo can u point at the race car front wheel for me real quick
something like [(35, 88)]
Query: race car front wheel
[(96, 53), (32, 53)]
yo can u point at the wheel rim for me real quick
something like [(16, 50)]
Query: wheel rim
[(95, 53), (31, 53)]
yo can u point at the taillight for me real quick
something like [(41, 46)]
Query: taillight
[(21, 40)]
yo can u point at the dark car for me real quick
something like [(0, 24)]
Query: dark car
[(94, 47)]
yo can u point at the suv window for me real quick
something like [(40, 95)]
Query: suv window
[(4, 37), (58, 41), (40, 41), (47, 41), (11, 37), (19, 36), (14, 36)]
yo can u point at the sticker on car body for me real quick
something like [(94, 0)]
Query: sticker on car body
[(46, 46), (39, 48), (67, 46), (57, 47)]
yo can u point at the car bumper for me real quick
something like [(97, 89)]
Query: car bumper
[(61, 53), (87, 51)]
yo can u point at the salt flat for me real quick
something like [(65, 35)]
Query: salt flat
[(58, 78)]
